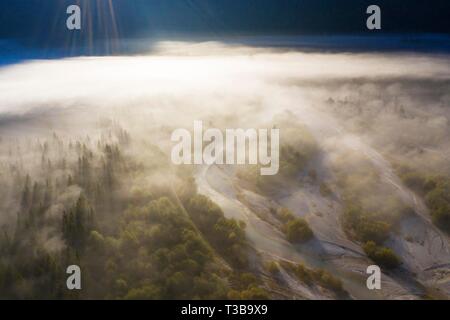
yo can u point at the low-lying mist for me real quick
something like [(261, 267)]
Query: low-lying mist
[(179, 82), (359, 125), (395, 102)]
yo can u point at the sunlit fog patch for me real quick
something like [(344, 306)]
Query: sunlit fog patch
[(394, 101), (389, 99), (199, 73)]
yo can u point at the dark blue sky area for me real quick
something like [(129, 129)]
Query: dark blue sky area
[(41, 23), (32, 19)]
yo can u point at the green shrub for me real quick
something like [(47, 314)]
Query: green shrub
[(318, 276), (273, 268), (227, 236), (436, 191), (327, 280), (285, 215), (381, 255), (438, 200), (298, 231), (364, 226)]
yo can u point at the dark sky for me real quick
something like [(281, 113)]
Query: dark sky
[(38, 18), (42, 22)]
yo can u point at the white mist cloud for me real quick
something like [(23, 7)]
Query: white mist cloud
[(392, 99), (193, 74)]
